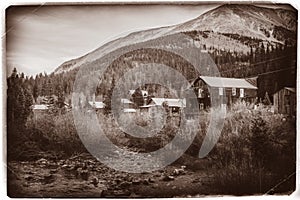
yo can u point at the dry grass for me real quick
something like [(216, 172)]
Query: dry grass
[(256, 150)]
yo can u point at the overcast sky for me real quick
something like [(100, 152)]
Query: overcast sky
[(41, 38)]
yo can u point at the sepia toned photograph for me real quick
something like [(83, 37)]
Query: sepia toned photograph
[(150, 100)]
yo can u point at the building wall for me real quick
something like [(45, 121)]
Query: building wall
[(226, 96), (285, 102)]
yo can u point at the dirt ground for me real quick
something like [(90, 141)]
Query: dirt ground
[(84, 176)]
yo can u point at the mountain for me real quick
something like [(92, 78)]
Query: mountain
[(230, 26), (245, 20)]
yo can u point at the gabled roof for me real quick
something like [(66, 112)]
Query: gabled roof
[(222, 82), (144, 92), (290, 89), (147, 106), (171, 102), (126, 101), (40, 107), (97, 104), (129, 110)]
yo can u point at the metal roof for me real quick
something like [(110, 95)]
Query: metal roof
[(147, 106), (222, 82), (129, 110), (126, 101), (97, 104), (291, 89), (171, 102), (40, 107)]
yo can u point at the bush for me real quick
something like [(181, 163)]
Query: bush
[(50, 135), (255, 151)]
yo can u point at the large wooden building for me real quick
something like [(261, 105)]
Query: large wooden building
[(230, 89)]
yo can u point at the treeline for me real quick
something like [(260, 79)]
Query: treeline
[(274, 66), (24, 91), (30, 137), (262, 57)]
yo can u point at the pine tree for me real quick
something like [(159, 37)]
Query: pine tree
[(107, 98), (19, 101)]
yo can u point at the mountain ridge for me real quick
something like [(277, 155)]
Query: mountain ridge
[(267, 24)]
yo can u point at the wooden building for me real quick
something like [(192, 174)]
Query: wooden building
[(98, 106), (230, 89), (40, 108), (127, 106), (144, 94), (174, 105), (285, 101)]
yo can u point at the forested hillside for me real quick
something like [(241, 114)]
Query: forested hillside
[(275, 66)]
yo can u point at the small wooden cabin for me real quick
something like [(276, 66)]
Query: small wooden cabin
[(174, 105), (98, 106), (285, 101), (39, 108), (127, 105), (230, 88), (144, 94)]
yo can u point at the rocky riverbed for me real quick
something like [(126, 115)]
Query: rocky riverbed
[(83, 176)]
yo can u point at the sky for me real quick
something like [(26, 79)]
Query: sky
[(40, 38)]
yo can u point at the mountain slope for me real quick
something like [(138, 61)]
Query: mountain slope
[(245, 20), (257, 23)]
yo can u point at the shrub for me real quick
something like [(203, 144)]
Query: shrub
[(255, 151), (55, 134)]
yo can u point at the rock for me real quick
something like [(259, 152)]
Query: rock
[(118, 181), (53, 171), (60, 162), (145, 182), (125, 184), (25, 185), (157, 175), (196, 180), (168, 178), (121, 193), (42, 161), (47, 178), (28, 177), (129, 178), (178, 172), (94, 181), (136, 181), (133, 195), (82, 173), (151, 180), (65, 166)]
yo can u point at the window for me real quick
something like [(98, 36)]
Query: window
[(200, 93), (233, 91), (220, 91), (241, 92)]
